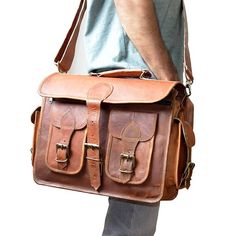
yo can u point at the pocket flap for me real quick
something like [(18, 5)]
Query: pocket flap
[(61, 110), (145, 121)]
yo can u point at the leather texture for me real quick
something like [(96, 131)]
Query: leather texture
[(127, 138), (59, 85)]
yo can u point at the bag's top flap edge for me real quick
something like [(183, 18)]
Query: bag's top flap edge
[(76, 87)]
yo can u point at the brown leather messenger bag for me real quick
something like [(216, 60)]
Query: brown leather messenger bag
[(116, 133)]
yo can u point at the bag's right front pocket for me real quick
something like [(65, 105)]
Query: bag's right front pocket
[(130, 145)]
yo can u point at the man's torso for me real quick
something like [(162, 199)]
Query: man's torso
[(108, 47)]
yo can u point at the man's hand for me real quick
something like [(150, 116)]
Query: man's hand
[(139, 20)]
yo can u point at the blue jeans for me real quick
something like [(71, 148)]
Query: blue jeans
[(125, 218)]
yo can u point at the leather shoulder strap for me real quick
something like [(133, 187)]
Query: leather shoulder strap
[(66, 53), (187, 59)]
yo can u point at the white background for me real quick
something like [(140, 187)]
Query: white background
[(30, 35)]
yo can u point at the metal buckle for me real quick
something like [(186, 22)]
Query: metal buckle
[(186, 176), (188, 89), (189, 80), (91, 145), (128, 157), (62, 147), (94, 146)]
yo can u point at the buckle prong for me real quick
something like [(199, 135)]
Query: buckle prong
[(129, 157), (62, 146)]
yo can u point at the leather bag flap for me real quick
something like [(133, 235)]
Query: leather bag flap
[(145, 121), (60, 111), (134, 91)]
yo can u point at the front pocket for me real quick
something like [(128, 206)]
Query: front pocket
[(67, 136), (130, 146)]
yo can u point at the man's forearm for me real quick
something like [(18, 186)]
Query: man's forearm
[(139, 20)]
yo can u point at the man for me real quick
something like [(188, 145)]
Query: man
[(144, 34)]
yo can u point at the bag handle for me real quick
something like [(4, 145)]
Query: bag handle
[(66, 53), (125, 73)]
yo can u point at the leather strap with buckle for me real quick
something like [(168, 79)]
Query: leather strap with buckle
[(130, 138), (62, 155), (63, 146), (186, 176), (96, 95)]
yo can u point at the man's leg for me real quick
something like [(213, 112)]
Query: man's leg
[(126, 218)]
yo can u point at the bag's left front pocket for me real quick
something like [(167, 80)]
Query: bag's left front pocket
[(67, 136)]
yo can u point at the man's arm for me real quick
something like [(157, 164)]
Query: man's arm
[(139, 20)]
